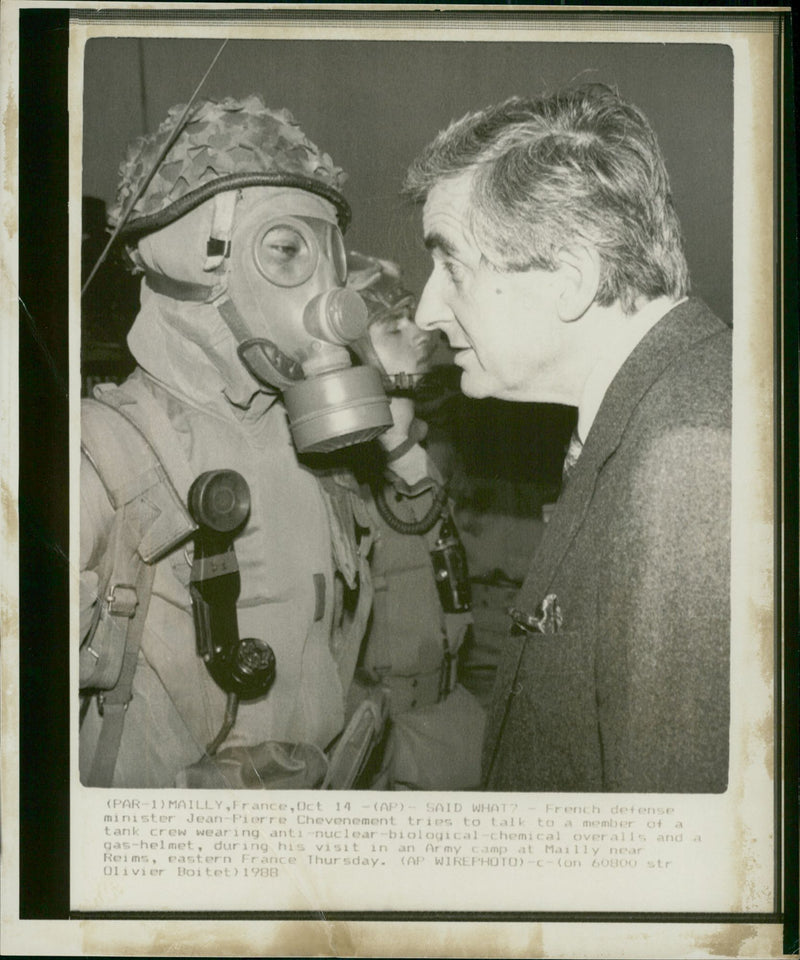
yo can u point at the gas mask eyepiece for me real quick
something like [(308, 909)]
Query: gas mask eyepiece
[(287, 250)]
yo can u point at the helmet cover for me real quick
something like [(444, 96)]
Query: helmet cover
[(223, 145)]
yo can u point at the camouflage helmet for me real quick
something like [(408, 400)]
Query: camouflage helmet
[(223, 145), (379, 284)]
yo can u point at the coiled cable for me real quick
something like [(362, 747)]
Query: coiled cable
[(411, 527)]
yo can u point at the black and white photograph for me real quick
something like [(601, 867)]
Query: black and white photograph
[(423, 447), (267, 519)]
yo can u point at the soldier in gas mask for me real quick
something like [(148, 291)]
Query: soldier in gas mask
[(421, 611), (225, 583)]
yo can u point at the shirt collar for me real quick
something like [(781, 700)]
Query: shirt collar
[(616, 351)]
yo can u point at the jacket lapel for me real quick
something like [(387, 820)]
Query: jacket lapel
[(678, 332)]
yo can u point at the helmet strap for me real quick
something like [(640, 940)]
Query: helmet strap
[(180, 289)]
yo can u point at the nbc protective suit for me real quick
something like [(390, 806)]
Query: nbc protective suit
[(243, 314), (236, 235), (298, 555)]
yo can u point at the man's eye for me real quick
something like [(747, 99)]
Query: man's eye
[(390, 327), (284, 249), (282, 244), (284, 256), (454, 271)]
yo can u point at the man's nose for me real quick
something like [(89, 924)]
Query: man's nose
[(431, 312)]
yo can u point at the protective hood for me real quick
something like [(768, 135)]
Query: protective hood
[(258, 275), (188, 347)]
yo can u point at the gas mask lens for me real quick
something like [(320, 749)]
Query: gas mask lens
[(287, 250), (286, 253)]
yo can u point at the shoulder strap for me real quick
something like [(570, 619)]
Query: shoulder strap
[(454, 626), (149, 521), (144, 414), (121, 450), (114, 703)]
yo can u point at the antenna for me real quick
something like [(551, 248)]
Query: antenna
[(146, 182)]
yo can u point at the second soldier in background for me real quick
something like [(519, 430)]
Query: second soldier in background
[(421, 605)]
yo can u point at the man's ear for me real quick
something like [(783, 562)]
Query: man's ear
[(579, 266)]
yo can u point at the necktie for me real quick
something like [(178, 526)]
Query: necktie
[(573, 452)]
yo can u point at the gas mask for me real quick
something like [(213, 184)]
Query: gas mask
[(293, 319), (229, 204)]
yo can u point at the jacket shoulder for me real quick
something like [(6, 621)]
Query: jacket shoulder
[(695, 388)]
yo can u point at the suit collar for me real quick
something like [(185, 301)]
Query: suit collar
[(618, 345)]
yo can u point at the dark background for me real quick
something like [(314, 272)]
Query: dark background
[(374, 104)]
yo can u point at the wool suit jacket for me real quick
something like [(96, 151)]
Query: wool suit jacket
[(630, 690)]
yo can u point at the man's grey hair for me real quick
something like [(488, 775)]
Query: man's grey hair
[(580, 165)]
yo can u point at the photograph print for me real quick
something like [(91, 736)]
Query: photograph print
[(405, 450)]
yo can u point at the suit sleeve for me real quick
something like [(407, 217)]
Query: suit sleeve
[(663, 609)]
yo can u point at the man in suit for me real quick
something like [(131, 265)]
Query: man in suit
[(559, 276)]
